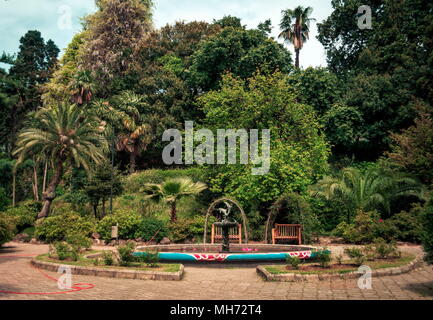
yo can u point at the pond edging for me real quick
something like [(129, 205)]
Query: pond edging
[(292, 277), (112, 273)]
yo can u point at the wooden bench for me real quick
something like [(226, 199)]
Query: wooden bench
[(287, 232), (235, 234)]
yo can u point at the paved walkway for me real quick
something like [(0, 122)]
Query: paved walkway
[(17, 275)]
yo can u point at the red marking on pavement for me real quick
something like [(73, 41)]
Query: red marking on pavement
[(75, 287)]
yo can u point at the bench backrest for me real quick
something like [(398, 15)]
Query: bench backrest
[(233, 231), (288, 230)]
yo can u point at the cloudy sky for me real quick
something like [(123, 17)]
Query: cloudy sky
[(51, 18)]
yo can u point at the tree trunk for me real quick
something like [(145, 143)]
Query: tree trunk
[(14, 174), (36, 186), (132, 159), (103, 208), (173, 212), (44, 181), (50, 194), (297, 58)]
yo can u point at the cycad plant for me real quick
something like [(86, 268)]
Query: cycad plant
[(373, 189), (295, 28), (172, 191), (64, 134)]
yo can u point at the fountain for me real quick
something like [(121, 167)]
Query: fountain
[(243, 254), (225, 225)]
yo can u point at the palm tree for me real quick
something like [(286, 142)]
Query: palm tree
[(295, 26), (372, 190), (65, 133), (172, 191), (134, 133)]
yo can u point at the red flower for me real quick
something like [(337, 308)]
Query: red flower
[(380, 221)]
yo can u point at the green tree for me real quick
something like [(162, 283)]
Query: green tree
[(373, 189), (172, 190), (127, 115), (295, 28), (31, 68), (239, 51), (299, 151), (317, 87), (412, 150), (103, 183), (65, 134)]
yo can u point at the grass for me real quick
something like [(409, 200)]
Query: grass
[(377, 264), (84, 262)]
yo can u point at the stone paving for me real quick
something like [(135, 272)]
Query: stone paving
[(200, 283)]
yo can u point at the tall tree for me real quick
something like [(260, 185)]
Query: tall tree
[(31, 68), (65, 134), (295, 28), (112, 37)]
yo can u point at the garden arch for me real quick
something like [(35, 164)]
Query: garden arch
[(212, 208)]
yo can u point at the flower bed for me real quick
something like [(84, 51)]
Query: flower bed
[(347, 270), (86, 266)]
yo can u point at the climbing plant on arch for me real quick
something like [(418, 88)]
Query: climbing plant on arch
[(211, 209)]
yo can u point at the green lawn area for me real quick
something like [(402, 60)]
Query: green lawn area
[(377, 264), (84, 262)]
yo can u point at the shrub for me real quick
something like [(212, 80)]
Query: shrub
[(180, 230), (125, 253), (4, 199), (196, 227), (150, 258), (293, 261), (151, 229), (408, 225), (77, 242), (365, 229), (7, 228), (107, 257), (355, 254), (324, 258), (57, 228), (386, 250), (25, 214), (128, 222), (62, 250)]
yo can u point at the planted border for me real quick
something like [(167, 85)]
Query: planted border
[(381, 272), (112, 272)]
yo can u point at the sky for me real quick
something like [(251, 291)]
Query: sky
[(59, 20)]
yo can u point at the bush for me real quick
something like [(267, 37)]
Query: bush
[(385, 250), (366, 228), (25, 214), (294, 261), (125, 253), (408, 225), (150, 258), (77, 242), (129, 223), (355, 254), (151, 229), (7, 228), (324, 258), (180, 230), (62, 250), (57, 228), (107, 257), (4, 199)]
